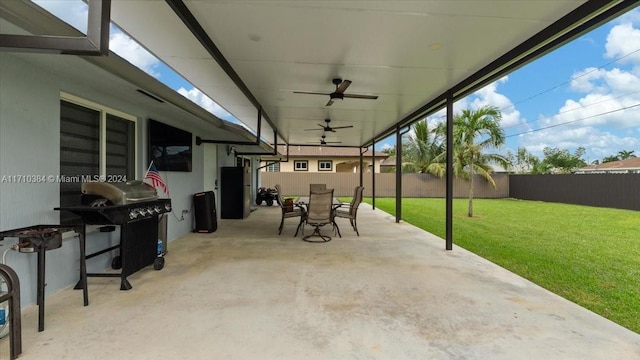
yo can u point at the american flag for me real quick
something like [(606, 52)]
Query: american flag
[(156, 179)]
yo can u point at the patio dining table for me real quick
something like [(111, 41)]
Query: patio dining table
[(304, 201)]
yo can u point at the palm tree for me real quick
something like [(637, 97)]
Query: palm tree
[(626, 154), (423, 149), (474, 132)]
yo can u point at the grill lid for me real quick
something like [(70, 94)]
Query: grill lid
[(121, 193)]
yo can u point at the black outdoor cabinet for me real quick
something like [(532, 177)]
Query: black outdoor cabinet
[(204, 204), (235, 192)]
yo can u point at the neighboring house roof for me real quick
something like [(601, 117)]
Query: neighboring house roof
[(325, 151), (389, 161), (631, 164)]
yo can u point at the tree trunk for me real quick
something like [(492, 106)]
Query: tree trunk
[(470, 211)]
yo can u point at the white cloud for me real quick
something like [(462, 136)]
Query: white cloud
[(129, 49), (598, 143), (73, 12), (624, 40), (205, 102), (487, 96)]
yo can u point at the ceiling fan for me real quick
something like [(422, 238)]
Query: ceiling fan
[(338, 94), (328, 127), (324, 142)]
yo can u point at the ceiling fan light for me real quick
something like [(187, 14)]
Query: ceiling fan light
[(336, 97)]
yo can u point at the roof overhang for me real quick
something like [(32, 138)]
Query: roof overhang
[(254, 55)]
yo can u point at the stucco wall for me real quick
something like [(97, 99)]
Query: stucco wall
[(29, 144)]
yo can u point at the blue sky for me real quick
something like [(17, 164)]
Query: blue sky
[(586, 93)]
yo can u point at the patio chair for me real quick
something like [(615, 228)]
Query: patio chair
[(317, 187), (289, 211), (319, 213), (350, 213)]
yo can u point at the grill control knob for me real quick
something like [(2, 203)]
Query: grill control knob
[(133, 214)]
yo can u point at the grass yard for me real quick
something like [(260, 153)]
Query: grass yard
[(588, 255)]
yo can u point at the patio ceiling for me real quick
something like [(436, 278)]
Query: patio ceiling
[(408, 53)]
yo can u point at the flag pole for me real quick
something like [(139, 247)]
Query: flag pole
[(149, 168)]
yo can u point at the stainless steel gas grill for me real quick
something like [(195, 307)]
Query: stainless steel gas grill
[(135, 207)]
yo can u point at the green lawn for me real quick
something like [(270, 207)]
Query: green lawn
[(588, 255)]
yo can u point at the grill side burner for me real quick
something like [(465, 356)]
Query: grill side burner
[(39, 239)]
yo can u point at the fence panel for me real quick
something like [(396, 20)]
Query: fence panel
[(413, 185), (620, 191)]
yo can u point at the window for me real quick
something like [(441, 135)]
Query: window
[(96, 143), (275, 167), (301, 165), (325, 165)]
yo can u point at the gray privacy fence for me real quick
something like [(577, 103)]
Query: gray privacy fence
[(413, 185), (620, 191)]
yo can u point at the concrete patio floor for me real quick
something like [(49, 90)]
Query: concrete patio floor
[(243, 292)]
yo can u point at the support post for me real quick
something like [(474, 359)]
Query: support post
[(449, 191), (373, 174), (398, 175)]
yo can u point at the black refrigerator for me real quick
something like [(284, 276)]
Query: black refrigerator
[(235, 192)]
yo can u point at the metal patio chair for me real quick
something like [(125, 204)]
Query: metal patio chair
[(317, 187), (289, 210), (352, 212), (319, 213)]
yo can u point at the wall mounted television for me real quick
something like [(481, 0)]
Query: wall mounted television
[(169, 147)]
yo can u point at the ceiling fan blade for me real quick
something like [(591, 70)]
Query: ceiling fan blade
[(343, 86), (313, 129), (333, 142), (342, 127), (312, 93), (358, 96), (329, 103)]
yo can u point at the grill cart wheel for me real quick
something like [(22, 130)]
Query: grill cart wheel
[(116, 263), (158, 263)]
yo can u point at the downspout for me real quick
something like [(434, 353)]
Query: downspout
[(361, 165)]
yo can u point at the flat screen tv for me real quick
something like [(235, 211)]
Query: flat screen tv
[(169, 147)]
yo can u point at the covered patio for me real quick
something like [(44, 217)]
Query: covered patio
[(244, 292)]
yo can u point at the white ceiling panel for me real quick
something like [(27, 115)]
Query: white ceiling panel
[(405, 52)]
